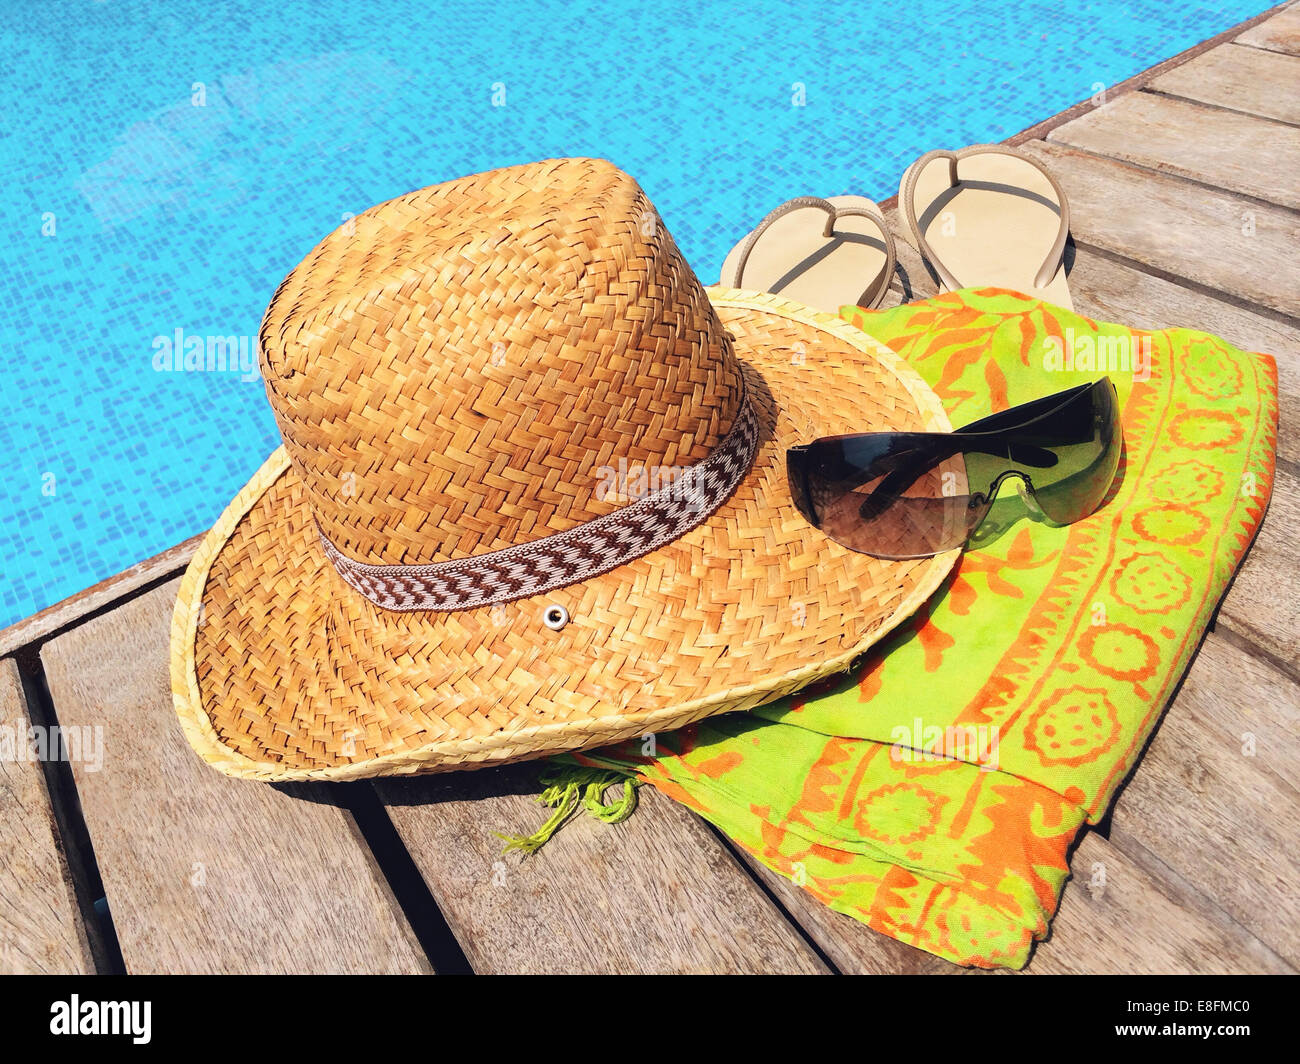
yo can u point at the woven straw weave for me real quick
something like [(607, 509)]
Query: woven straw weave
[(451, 378)]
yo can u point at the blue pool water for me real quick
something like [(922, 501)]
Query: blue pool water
[(162, 166)]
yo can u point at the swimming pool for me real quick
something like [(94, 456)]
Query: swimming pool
[(163, 168)]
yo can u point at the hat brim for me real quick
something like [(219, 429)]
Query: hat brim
[(280, 671)]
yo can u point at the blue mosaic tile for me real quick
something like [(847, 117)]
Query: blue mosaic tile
[(169, 215)]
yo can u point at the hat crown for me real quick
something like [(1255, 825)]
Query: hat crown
[(490, 361)]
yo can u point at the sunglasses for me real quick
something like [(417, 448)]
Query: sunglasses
[(899, 495)]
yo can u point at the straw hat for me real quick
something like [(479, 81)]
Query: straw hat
[(471, 548)]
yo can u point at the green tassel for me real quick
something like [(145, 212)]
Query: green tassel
[(593, 800), (569, 787)]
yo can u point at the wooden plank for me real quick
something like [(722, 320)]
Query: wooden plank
[(657, 893), (1263, 603), (1232, 151), (41, 932), (1039, 130), (1222, 815), (1228, 244), (1116, 918), (1241, 79), (205, 873), (70, 610), (1281, 33)]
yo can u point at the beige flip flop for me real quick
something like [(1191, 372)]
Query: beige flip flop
[(824, 253), (989, 215)]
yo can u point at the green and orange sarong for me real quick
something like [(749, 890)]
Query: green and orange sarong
[(934, 794)]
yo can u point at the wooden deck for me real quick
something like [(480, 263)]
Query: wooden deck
[(1186, 211)]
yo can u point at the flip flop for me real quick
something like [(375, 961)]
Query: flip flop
[(824, 253), (989, 215)]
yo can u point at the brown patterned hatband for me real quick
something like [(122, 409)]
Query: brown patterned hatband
[(584, 551)]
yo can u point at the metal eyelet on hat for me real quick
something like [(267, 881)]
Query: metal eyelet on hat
[(555, 616)]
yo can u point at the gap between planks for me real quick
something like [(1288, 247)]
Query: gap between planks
[(780, 948), (1215, 799), (1167, 223), (42, 931), (1278, 33), (1208, 147), (1237, 78), (655, 894), (204, 873)]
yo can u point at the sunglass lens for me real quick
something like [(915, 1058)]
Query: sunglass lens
[(872, 513), (1088, 452)]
